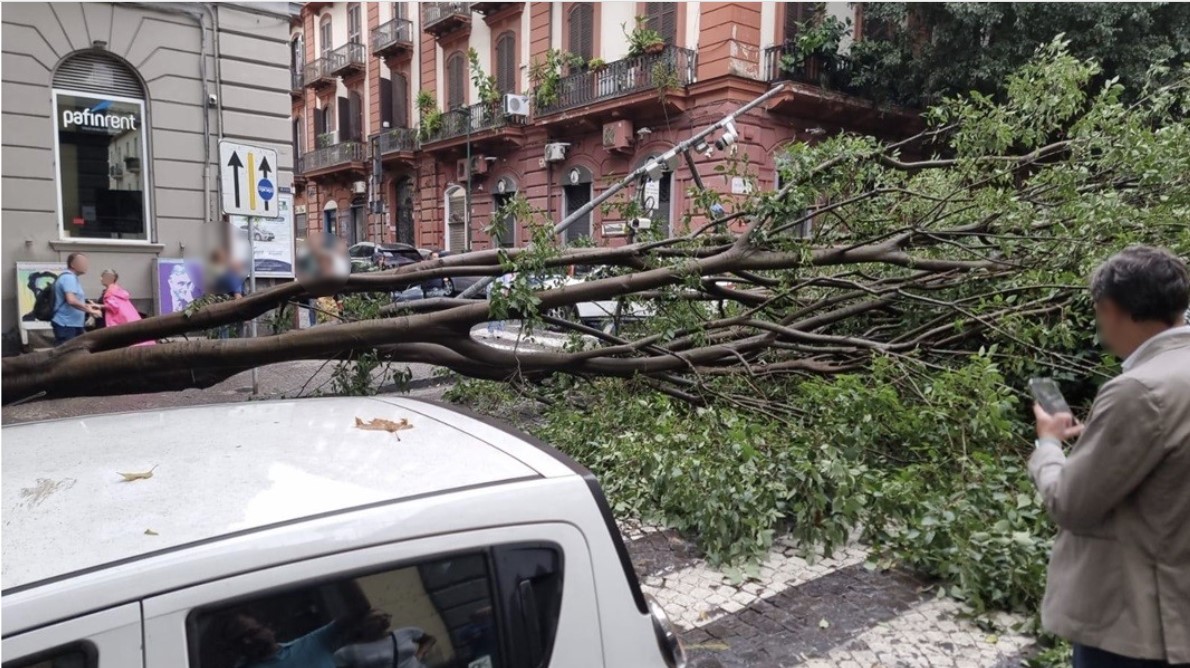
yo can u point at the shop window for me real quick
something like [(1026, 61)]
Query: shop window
[(581, 22), (101, 150)]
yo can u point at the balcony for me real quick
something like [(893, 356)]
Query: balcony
[(397, 143), (295, 82), (649, 80), (347, 59), (482, 123), (488, 8), (348, 155), (823, 89), (393, 38), (317, 74), (440, 18)]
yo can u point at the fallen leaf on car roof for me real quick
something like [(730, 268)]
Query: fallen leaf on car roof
[(150, 532), (140, 475), (381, 424)]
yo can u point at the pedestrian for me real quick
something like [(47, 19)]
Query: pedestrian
[(228, 283), (117, 304), (70, 302), (1118, 584)]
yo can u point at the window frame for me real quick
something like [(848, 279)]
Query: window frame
[(81, 646), (456, 56), (146, 171), (508, 36), (326, 35), (355, 20)]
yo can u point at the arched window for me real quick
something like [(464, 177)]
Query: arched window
[(581, 22), (663, 17), (324, 35), (456, 73), (101, 149), (506, 63), (297, 54), (456, 219)]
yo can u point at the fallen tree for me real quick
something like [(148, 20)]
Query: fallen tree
[(984, 239)]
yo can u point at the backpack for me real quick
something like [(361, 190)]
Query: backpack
[(43, 306)]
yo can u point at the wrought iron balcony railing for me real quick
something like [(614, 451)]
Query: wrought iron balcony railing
[(350, 56), (442, 16), (317, 73), (343, 153), (295, 81), (477, 117), (398, 140), (391, 36), (672, 68), (781, 63)]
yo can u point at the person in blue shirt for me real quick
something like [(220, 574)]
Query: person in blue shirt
[(229, 282), (70, 302), (258, 646)]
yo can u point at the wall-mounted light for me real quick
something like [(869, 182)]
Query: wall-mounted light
[(99, 45)]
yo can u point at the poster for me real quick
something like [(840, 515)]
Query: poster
[(177, 283), (32, 278), (272, 240)]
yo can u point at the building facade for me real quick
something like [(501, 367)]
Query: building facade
[(112, 115), (391, 122)]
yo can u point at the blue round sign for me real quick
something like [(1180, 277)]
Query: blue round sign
[(265, 188)]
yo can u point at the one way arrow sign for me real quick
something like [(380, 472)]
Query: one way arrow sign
[(246, 179)]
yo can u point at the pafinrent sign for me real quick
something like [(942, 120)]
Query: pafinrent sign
[(247, 178)]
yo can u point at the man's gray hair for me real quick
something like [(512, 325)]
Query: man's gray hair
[(1147, 283)]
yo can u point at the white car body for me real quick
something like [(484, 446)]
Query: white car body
[(251, 499)]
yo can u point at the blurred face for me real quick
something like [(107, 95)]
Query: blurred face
[(107, 278), (81, 264), (1113, 323)]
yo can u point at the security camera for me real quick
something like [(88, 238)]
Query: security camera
[(730, 135), (212, 100), (640, 224)]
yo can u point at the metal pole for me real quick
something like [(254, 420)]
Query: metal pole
[(636, 173), (467, 119), (252, 286)]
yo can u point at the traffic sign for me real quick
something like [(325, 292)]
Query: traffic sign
[(244, 173)]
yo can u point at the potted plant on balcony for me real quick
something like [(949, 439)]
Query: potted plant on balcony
[(814, 51), (485, 84), (546, 76), (643, 39), (326, 139), (429, 116), (596, 65)]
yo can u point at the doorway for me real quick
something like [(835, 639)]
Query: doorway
[(404, 211), (359, 224), (577, 196)]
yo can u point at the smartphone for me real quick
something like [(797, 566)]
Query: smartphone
[(1046, 393)]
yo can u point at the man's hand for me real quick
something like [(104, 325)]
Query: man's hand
[(1060, 426)]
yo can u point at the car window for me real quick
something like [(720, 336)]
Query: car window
[(433, 614), (75, 655)]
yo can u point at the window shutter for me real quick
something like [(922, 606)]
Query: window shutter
[(455, 81), (663, 17), (344, 119), (386, 103), (506, 63), (357, 118), (400, 100), (96, 72), (319, 122), (582, 19)]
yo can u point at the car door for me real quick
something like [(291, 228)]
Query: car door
[(107, 639), (517, 597)]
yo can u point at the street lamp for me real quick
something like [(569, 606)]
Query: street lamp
[(466, 114)]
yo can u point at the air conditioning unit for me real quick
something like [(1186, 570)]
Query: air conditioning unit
[(479, 167), (115, 170), (617, 136), (359, 187), (516, 105), (555, 152)]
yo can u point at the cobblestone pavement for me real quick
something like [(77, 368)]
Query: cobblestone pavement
[(827, 612)]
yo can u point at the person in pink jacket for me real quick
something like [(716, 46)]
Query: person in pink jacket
[(117, 305)]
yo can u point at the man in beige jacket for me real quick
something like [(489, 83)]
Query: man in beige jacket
[(1118, 585)]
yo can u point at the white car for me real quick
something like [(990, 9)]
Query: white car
[(288, 532)]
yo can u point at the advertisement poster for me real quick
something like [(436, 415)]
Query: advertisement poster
[(272, 240), (32, 278), (178, 283)]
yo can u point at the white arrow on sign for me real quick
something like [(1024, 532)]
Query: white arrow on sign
[(246, 174)]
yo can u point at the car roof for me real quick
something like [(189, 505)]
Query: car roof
[(225, 469)]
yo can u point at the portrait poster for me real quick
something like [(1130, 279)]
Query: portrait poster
[(32, 278), (177, 283)]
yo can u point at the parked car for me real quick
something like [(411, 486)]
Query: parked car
[(600, 314), (451, 286), (258, 233), (232, 528), (370, 256)]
